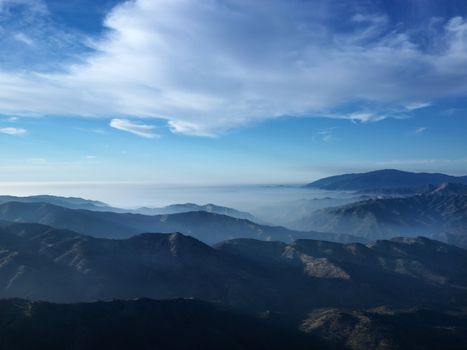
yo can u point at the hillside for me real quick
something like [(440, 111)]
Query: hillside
[(385, 328), (139, 324), (440, 212), (39, 262)]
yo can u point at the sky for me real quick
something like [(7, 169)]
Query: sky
[(214, 92)]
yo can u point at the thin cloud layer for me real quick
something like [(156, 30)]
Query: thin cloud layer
[(139, 129), (211, 66)]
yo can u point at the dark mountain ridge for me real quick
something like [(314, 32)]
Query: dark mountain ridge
[(39, 262), (386, 328), (140, 324)]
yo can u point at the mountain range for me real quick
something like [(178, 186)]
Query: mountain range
[(87, 204), (208, 227), (385, 328), (215, 277), (40, 262), (66, 202), (192, 324), (328, 290), (189, 207), (439, 212), (383, 179)]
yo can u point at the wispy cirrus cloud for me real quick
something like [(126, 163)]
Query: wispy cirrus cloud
[(222, 70), (420, 130), (325, 135), (13, 131), (139, 129)]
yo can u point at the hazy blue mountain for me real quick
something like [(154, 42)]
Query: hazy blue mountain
[(187, 207), (42, 263), (381, 179), (287, 213), (139, 324), (66, 202), (86, 204), (208, 227), (440, 212), (442, 188)]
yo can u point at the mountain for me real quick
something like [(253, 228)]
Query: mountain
[(86, 204), (139, 324), (385, 328), (328, 289), (192, 324), (287, 213), (381, 179), (443, 189), (188, 207), (66, 202), (42, 263), (208, 227), (440, 212)]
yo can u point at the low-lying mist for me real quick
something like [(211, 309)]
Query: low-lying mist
[(278, 205)]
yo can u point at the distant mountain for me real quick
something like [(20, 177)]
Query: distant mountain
[(208, 227), (287, 213), (42, 263), (386, 329), (139, 324), (440, 212), (381, 179), (66, 202), (442, 188), (187, 207), (86, 204)]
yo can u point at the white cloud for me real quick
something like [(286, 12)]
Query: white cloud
[(420, 130), (142, 130), (231, 64), (188, 128), (23, 38), (417, 105), (325, 135), (13, 131)]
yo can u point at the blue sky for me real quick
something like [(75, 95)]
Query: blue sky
[(225, 92)]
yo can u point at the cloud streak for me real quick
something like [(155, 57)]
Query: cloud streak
[(420, 130), (13, 131), (229, 65), (142, 130)]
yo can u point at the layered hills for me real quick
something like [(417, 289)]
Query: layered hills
[(439, 212), (40, 262), (206, 226)]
